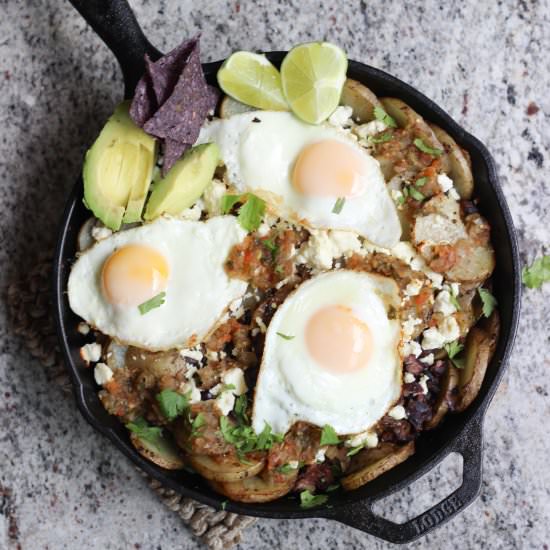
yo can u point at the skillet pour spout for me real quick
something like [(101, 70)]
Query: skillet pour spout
[(115, 23)]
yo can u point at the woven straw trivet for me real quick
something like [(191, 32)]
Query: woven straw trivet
[(30, 311)]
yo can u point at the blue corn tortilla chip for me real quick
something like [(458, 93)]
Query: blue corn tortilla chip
[(172, 100)]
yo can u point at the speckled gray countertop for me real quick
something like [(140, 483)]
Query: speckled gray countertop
[(486, 63)]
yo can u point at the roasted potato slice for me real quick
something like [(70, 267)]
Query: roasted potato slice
[(479, 348), (155, 364), (230, 107), (222, 468), (459, 164), (448, 387), (360, 99), (256, 488), (160, 450), (474, 263), (371, 463)]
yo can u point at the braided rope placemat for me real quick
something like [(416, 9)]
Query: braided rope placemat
[(30, 311)]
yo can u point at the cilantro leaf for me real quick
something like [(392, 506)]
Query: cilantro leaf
[(453, 349), (329, 436), (338, 205), (308, 499), (228, 202), (140, 427), (172, 403), (280, 270), (154, 302), (239, 409), (285, 336), (251, 212), (488, 300), (285, 469), (416, 194), (380, 139), (537, 273), (266, 439), (380, 114), (355, 450), (421, 181), (245, 440), (198, 422), (271, 246), (419, 143), (453, 298)]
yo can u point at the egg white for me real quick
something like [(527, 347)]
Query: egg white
[(291, 386), (259, 149), (198, 289)]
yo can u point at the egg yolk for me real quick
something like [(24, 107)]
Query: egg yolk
[(329, 168), (337, 340), (134, 274)]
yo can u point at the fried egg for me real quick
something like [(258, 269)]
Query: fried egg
[(331, 355), (182, 259), (315, 175)]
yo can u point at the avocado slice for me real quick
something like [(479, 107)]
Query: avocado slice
[(184, 183), (118, 170)]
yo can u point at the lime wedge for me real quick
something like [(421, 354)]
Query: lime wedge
[(313, 75), (251, 78)]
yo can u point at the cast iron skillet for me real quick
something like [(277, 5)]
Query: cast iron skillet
[(115, 23)]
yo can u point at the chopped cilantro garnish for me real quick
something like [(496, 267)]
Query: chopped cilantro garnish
[(338, 205), (380, 139), (488, 300), (308, 499), (416, 194), (172, 403), (453, 298), (239, 409), (453, 349), (280, 270), (250, 213), (537, 273), (285, 336), (154, 302), (329, 436), (380, 114), (140, 427), (271, 246), (355, 450), (245, 440), (286, 469), (421, 181), (419, 143), (228, 202), (198, 422)]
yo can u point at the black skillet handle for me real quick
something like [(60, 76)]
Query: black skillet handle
[(116, 25), (361, 516)]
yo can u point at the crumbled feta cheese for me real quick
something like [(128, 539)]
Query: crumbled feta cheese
[(225, 402), (260, 324), (263, 230), (428, 360), (445, 182), (411, 348), (408, 378), (91, 353), (436, 337), (215, 390), (323, 246), (212, 197), (83, 328), (414, 287), (235, 377), (320, 455), (423, 384), (398, 412), (212, 355), (368, 439), (100, 232), (192, 354), (408, 327), (453, 194), (455, 288), (370, 129), (443, 303), (405, 252), (255, 332), (194, 213), (294, 464), (190, 372), (341, 116), (191, 388), (102, 374)]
